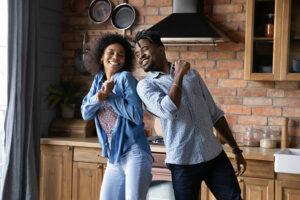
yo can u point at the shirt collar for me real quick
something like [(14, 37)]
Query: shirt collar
[(103, 76), (156, 74)]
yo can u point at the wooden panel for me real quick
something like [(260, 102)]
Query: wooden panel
[(258, 168), (159, 160), (288, 177), (87, 180), (277, 39), (287, 190), (92, 155), (161, 174), (258, 189), (206, 193), (55, 172), (249, 39)]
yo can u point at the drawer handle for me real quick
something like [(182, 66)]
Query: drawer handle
[(69, 148), (99, 166)]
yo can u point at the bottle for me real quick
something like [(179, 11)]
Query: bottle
[(269, 27)]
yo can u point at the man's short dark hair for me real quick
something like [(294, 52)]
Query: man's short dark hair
[(152, 36)]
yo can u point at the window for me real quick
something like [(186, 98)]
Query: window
[(3, 77)]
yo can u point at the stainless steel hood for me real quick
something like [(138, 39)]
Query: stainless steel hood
[(187, 25)]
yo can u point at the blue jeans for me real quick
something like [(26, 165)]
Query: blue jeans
[(128, 179), (218, 174)]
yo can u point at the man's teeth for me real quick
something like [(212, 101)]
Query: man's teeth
[(144, 61)]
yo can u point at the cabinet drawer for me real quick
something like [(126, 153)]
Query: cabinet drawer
[(92, 155), (159, 160), (161, 174), (258, 168)]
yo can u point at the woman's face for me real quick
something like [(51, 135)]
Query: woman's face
[(113, 58)]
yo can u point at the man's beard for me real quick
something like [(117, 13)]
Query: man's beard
[(151, 67)]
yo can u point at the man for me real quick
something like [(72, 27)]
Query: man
[(179, 97)]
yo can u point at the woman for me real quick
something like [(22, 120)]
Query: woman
[(114, 104)]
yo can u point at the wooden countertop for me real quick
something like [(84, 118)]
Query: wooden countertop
[(254, 153), (68, 141)]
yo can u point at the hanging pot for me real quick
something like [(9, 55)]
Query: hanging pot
[(100, 11), (123, 16)]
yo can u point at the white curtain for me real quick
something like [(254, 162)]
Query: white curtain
[(20, 178)]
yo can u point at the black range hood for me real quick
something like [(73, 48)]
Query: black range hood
[(187, 25)]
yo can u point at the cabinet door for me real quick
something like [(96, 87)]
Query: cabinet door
[(206, 194), (287, 190), (251, 189), (262, 46), (87, 180), (290, 62), (55, 172), (257, 188)]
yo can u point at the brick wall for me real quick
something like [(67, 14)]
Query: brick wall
[(246, 103)]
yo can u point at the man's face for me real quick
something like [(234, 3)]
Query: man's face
[(148, 55)]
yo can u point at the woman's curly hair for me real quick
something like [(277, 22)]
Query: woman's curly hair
[(92, 58)]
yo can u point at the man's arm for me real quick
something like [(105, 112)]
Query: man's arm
[(181, 69), (222, 127)]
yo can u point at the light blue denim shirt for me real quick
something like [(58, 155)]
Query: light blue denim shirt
[(187, 131), (129, 127)]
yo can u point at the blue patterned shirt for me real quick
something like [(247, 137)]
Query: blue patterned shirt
[(187, 131), (129, 127)]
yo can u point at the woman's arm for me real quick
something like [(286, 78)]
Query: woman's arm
[(90, 103)]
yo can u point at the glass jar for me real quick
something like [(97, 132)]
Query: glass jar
[(252, 137)]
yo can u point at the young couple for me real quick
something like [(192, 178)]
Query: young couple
[(176, 94)]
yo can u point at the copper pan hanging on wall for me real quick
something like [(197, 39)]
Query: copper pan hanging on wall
[(99, 11)]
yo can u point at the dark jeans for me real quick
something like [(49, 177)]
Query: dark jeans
[(218, 174)]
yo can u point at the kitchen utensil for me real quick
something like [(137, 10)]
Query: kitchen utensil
[(80, 57), (123, 16), (99, 11)]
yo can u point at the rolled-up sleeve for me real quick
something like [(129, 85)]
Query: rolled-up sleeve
[(90, 103), (156, 102)]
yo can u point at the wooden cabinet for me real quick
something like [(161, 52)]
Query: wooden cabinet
[(87, 179), (256, 188), (71, 173), (55, 172), (275, 55), (88, 171), (287, 187), (257, 183)]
